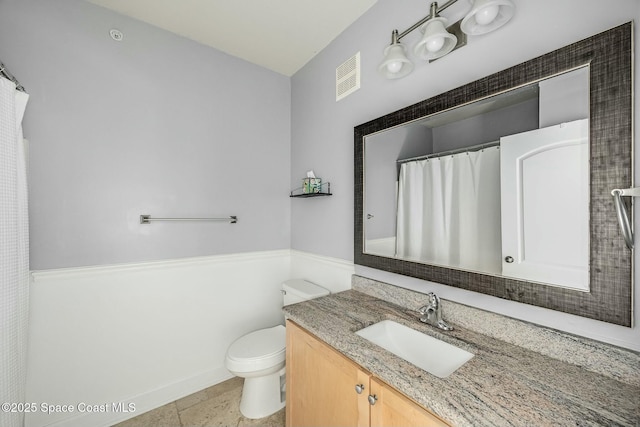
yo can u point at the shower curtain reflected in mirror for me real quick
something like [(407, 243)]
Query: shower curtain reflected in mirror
[(453, 204)]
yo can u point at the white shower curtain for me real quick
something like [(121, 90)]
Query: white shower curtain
[(14, 252), (449, 211)]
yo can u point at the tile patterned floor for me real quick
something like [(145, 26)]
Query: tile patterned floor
[(217, 406)]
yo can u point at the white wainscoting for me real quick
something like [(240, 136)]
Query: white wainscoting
[(331, 273), (150, 333)]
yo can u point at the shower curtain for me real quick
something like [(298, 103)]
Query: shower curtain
[(449, 211), (14, 252)]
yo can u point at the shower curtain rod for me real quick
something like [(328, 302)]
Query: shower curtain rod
[(450, 152), (6, 74)]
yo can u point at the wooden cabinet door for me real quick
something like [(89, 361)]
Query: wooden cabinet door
[(393, 409), (321, 384)]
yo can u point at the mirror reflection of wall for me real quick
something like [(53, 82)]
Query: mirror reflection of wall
[(417, 208)]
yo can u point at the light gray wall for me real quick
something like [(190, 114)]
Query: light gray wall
[(322, 129), (155, 124)]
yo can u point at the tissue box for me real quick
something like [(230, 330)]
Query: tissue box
[(311, 185)]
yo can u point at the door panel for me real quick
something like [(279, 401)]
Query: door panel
[(321, 384), (393, 409), (544, 177)]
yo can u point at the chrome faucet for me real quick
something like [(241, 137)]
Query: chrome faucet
[(432, 313)]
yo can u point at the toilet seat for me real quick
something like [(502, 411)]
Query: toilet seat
[(258, 350)]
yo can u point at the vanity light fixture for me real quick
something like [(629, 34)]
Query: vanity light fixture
[(486, 16), (438, 40), (395, 64)]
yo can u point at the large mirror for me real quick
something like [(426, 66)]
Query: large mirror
[(503, 186)]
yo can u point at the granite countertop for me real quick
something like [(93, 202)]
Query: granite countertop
[(502, 385)]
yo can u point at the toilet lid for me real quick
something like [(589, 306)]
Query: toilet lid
[(259, 344)]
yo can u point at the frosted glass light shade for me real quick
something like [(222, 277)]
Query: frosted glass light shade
[(395, 64), (436, 41), (486, 16)]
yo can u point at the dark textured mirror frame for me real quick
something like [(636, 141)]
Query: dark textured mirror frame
[(609, 55)]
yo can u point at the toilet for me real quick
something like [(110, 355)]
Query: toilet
[(259, 357)]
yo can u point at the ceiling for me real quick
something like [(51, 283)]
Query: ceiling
[(281, 35)]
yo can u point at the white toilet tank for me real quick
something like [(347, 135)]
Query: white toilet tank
[(298, 290)]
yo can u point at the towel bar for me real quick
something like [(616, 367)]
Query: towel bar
[(621, 211), (146, 219)]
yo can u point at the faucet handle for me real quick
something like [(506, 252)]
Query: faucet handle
[(434, 300), (432, 313)]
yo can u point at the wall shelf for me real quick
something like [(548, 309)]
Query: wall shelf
[(311, 195), (298, 192)]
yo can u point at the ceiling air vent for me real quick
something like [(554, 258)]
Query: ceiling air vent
[(348, 77)]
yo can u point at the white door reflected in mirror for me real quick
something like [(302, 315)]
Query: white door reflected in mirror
[(544, 177)]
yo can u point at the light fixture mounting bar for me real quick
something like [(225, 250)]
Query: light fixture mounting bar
[(431, 14)]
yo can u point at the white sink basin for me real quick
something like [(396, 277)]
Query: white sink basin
[(434, 356)]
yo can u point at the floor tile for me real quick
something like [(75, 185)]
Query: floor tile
[(208, 393), (223, 387), (192, 399), (164, 416), (218, 411), (216, 406), (275, 420)]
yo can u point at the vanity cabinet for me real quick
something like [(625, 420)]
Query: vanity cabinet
[(324, 388), (394, 409)]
